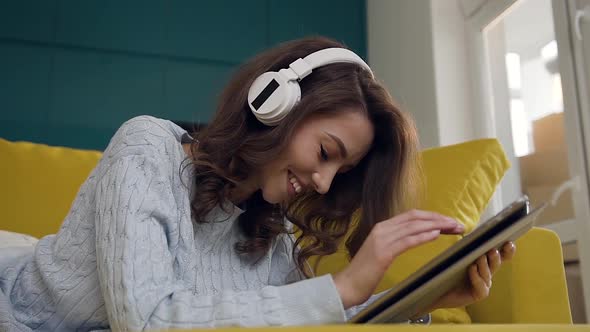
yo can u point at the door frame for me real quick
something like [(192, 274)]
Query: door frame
[(576, 119), (577, 123), (483, 120)]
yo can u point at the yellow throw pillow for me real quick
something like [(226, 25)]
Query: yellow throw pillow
[(460, 181), (39, 184)]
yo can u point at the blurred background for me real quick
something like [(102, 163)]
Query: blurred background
[(75, 70), (71, 72)]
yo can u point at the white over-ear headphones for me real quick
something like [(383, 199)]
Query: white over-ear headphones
[(273, 94)]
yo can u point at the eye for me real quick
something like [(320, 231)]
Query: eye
[(323, 153)]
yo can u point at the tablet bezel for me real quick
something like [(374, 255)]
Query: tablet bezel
[(508, 217)]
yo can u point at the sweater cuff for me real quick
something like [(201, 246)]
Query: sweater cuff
[(312, 302)]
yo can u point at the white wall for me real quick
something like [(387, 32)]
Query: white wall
[(418, 49), (400, 52), (453, 87)]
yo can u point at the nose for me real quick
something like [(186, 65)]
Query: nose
[(322, 180)]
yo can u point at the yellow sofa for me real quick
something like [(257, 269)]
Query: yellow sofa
[(39, 183)]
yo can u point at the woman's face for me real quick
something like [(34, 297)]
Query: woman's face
[(321, 146)]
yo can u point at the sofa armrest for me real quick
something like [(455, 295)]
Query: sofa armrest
[(531, 288)]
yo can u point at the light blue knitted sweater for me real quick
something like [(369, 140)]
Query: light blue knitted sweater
[(128, 256)]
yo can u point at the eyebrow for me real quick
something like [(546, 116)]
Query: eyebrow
[(341, 146)]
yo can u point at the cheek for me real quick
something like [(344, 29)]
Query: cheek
[(274, 184), (272, 174), (277, 178), (302, 160)]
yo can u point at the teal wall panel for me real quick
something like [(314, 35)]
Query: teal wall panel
[(28, 20), (228, 30), (105, 89), (343, 20), (191, 89), (24, 91), (129, 25), (72, 71)]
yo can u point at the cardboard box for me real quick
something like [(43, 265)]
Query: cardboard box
[(549, 167), (548, 133), (563, 209)]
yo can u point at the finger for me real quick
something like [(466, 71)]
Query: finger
[(417, 215), (484, 270), (450, 225), (420, 226), (508, 250), (412, 241), (479, 289), (459, 229), (494, 260)]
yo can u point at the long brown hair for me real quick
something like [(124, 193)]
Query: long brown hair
[(234, 144)]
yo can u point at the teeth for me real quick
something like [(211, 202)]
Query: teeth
[(295, 184)]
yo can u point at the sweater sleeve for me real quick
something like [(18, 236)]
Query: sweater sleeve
[(352, 311), (135, 211)]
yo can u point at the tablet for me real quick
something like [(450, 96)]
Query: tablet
[(446, 270)]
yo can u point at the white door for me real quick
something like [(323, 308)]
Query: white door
[(527, 96)]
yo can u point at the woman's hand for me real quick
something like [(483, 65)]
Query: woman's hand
[(387, 240), (480, 280)]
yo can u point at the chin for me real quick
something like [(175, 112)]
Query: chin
[(270, 197)]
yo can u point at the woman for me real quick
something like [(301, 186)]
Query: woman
[(173, 230)]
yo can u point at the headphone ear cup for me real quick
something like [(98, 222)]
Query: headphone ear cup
[(292, 99), (272, 96)]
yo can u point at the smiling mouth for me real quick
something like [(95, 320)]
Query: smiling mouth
[(293, 184)]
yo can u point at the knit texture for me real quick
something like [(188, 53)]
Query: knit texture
[(129, 257)]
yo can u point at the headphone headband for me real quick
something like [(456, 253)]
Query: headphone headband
[(334, 55), (274, 94)]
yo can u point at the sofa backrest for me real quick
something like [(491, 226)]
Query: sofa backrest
[(39, 183)]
